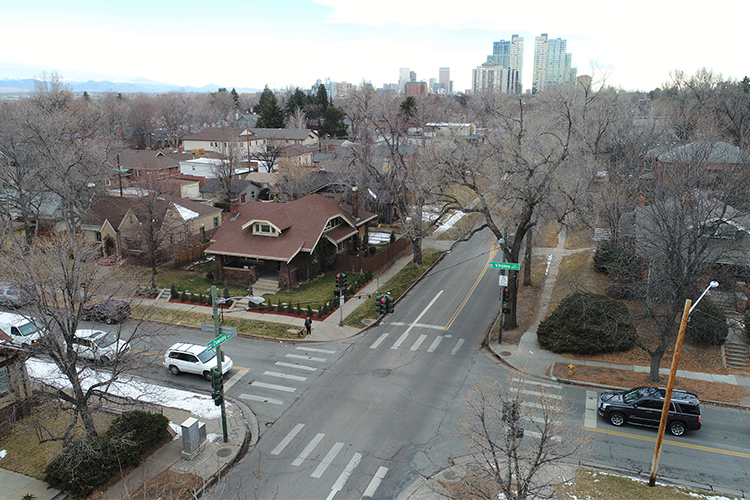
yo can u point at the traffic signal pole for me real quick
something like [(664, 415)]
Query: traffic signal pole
[(219, 363), (503, 272)]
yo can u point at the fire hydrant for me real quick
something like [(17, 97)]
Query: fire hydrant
[(570, 370)]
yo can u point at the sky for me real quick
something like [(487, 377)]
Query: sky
[(293, 43)]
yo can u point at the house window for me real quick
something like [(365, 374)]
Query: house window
[(4, 380), (340, 247), (108, 182), (216, 222), (180, 236), (242, 198), (265, 228), (98, 235)]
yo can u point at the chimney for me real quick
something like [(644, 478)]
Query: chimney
[(355, 202)]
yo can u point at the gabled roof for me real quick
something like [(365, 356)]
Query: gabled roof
[(700, 151), (217, 134), (289, 134), (302, 221), (238, 185), (201, 209), (147, 160), (109, 208)]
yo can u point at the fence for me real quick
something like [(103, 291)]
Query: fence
[(353, 264), (190, 255)]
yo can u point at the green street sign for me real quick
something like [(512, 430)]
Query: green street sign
[(219, 340), (510, 266)]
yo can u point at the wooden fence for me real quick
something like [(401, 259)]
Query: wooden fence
[(353, 264), (182, 259)]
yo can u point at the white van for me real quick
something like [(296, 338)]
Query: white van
[(21, 329)]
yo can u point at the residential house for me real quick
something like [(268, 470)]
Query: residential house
[(116, 223), (287, 242), (243, 190), (717, 161), (296, 156), (229, 142), (280, 137)]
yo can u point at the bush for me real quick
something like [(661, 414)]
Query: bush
[(184, 296), (173, 292), (707, 325), (85, 465), (393, 237), (586, 323), (613, 259), (309, 310)]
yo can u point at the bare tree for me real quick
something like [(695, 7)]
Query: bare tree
[(142, 120), (173, 115), (522, 442)]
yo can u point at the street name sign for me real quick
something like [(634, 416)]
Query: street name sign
[(218, 340), (209, 327), (510, 266)]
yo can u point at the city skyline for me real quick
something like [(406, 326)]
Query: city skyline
[(293, 43)]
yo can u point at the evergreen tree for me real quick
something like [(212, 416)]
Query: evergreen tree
[(321, 98), (236, 97), (271, 115), (298, 100), (334, 124)]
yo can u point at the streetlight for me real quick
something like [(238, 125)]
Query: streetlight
[(672, 372)]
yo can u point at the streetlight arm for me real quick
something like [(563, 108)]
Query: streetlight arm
[(711, 285)]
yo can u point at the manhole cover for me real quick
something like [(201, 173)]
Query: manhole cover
[(368, 321), (223, 452), (448, 336), (506, 353), (450, 475)]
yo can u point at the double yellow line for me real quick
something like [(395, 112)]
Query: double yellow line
[(493, 252)]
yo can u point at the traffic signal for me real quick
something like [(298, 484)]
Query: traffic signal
[(338, 281), (510, 412), (506, 295), (217, 379), (217, 397), (380, 305), (343, 280), (388, 304)]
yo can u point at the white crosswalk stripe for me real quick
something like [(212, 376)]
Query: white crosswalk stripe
[(274, 387), (287, 439), (315, 349), (261, 399), (400, 341), (418, 343), (308, 449), (435, 344), (296, 366), (321, 468), (379, 341), (375, 482), (458, 346), (285, 376), (307, 358), (341, 481)]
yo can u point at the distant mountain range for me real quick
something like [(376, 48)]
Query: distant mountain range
[(23, 85)]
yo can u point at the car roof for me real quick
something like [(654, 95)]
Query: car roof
[(84, 333), (185, 347), (14, 319), (678, 396)]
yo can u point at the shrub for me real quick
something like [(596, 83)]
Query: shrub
[(393, 237), (201, 299), (372, 250), (184, 296), (612, 258), (309, 310), (368, 275), (85, 465), (173, 292), (707, 325), (586, 323), (298, 310)]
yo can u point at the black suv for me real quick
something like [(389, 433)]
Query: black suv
[(643, 405)]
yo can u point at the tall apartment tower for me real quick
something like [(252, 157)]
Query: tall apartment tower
[(503, 69), (444, 79), (509, 54), (403, 78), (552, 64)]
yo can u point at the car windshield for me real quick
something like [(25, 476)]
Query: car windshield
[(104, 339), (207, 355), (631, 396), (29, 328)]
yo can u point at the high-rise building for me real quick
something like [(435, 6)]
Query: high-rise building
[(494, 78), (403, 78), (552, 64), (444, 80), (509, 54)]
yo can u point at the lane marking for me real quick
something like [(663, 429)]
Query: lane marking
[(284, 375), (274, 387), (543, 384), (379, 341), (418, 325), (540, 394), (308, 449), (341, 481), (288, 439), (321, 468), (424, 311), (538, 435), (373, 486), (673, 443), (474, 287), (315, 349), (307, 358), (293, 365), (435, 344), (458, 346), (589, 418), (400, 341), (233, 380), (418, 342), (261, 399)]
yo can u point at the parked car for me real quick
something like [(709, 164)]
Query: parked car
[(643, 406), (109, 311), (14, 296), (21, 329), (98, 345), (194, 358)]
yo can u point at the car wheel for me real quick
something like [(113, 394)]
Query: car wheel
[(207, 375), (616, 418), (174, 370), (677, 428), (109, 320)]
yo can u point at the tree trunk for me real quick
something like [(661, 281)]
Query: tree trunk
[(653, 375), (416, 245), (527, 259)]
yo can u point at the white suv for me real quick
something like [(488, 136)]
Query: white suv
[(98, 345), (194, 358)]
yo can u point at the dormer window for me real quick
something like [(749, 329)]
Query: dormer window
[(259, 228)]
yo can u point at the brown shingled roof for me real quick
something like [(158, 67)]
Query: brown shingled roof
[(302, 222)]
